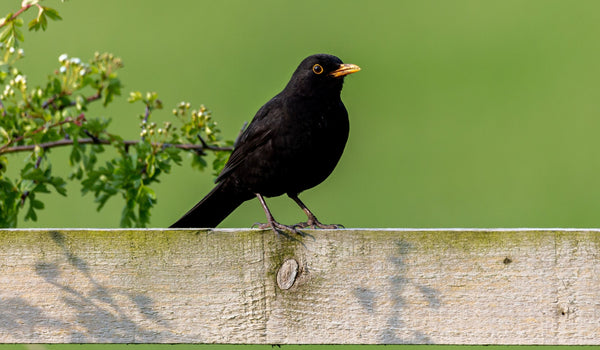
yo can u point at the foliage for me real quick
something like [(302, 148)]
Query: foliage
[(33, 120)]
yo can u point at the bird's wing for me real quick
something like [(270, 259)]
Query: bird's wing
[(255, 135)]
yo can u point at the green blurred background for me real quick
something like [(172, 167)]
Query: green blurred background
[(466, 113)]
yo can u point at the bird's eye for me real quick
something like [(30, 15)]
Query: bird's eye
[(317, 69)]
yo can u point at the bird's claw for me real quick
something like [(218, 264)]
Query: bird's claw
[(277, 227), (260, 225), (316, 224)]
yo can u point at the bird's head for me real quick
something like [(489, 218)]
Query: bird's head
[(320, 75)]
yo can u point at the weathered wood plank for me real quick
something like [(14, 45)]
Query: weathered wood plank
[(351, 286)]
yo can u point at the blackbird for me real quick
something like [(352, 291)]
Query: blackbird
[(293, 143)]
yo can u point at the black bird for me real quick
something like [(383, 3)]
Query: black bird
[(293, 143)]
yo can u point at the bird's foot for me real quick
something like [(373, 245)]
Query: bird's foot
[(277, 227), (314, 223)]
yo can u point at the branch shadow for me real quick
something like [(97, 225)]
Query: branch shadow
[(102, 314), (23, 320), (395, 330)]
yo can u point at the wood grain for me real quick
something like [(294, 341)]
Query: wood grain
[(354, 286)]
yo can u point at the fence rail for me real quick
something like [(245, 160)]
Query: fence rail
[(360, 286)]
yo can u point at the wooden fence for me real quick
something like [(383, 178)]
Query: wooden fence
[(358, 286)]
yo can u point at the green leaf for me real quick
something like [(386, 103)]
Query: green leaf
[(37, 204), (59, 185), (4, 135), (75, 156), (34, 24), (26, 186), (18, 34), (198, 162), (31, 215), (52, 13), (173, 154), (127, 215), (3, 165), (113, 89), (43, 22), (41, 188), (150, 193), (102, 199), (33, 204), (5, 33), (150, 165), (56, 86)]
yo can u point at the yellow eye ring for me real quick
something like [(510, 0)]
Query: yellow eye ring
[(317, 69)]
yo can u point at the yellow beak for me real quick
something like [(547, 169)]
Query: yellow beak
[(345, 69)]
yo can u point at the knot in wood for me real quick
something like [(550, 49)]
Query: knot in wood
[(286, 276)]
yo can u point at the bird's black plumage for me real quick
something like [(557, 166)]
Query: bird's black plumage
[(293, 143)]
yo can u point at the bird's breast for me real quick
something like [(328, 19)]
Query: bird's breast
[(306, 141)]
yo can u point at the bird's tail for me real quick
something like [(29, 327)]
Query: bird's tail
[(212, 209)]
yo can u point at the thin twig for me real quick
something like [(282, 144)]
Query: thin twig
[(145, 120), (211, 147), (88, 99), (92, 136), (146, 114), (50, 101), (19, 12), (41, 128)]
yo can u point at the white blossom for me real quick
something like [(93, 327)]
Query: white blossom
[(20, 79)]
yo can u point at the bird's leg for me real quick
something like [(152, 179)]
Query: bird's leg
[(271, 223), (312, 219)]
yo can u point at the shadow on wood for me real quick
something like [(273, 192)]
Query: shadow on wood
[(333, 287)]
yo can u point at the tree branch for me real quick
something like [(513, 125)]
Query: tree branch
[(69, 142)]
